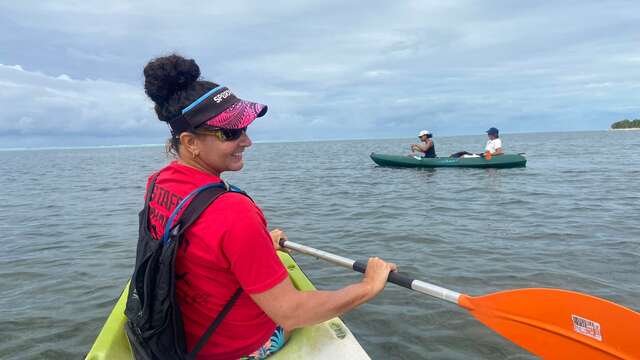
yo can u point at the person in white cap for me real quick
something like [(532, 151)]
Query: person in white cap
[(428, 149)]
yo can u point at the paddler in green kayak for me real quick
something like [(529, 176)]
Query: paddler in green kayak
[(229, 246), (493, 147), (494, 144), (427, 149)]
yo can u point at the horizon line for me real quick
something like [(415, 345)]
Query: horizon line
[(81, 147)]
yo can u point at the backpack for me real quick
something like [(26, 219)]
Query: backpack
[(154, 327)]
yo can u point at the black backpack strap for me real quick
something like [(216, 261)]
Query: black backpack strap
[(149, 194), (144, 213), (207, 334), (150, 189), (199, 204)]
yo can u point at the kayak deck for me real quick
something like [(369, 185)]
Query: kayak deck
[(500, 161), (331, 339)]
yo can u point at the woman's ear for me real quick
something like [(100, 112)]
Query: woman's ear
[(188, 140)]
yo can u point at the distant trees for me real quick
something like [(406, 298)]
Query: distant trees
[(626, 124)]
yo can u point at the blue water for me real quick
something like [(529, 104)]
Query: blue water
[(568, 220)]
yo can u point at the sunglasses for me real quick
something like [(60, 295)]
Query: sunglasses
[(224, 134)]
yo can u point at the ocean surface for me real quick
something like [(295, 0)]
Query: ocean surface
[(570, 219)]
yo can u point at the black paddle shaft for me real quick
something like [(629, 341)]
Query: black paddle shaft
[(359, 266), (394, 276)]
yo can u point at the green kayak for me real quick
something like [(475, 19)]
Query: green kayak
[(500, 161), (329, 340)]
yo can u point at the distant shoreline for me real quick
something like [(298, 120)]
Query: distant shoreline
[(625, 129)]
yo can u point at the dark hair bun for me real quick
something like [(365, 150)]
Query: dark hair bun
[(167, 75)]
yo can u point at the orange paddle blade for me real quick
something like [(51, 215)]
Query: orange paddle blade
[(560, 324)]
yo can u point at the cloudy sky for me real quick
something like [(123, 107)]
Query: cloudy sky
[(71, 71)]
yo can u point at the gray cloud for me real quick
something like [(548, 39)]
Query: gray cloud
[(327, 69), (38, 105)]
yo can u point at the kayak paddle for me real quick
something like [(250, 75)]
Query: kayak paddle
[(551, 323)]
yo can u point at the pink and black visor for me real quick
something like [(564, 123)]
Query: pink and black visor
[(218, 108)]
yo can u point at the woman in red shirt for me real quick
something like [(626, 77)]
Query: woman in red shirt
[(229, 245)]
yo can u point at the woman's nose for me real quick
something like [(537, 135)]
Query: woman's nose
[(245, 140)]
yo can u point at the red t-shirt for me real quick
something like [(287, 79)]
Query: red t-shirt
[(226, 248)]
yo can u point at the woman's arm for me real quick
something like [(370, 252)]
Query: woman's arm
[(428, 145), (415, 147), (419, 147), (292, 309), (498, 152)]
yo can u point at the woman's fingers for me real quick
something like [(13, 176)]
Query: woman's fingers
[(393, 266), (377, 273), (276, 236)]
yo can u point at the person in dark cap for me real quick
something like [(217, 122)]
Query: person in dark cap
[(493, 147), (229, 246), (494, 144)]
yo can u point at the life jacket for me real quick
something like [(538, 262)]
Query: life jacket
[(431, 152), (154, 327)]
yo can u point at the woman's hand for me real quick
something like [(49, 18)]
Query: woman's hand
[(294, 309), (375, 277), (276, 235)]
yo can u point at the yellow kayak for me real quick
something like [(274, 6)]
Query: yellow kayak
[(331, 339)]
